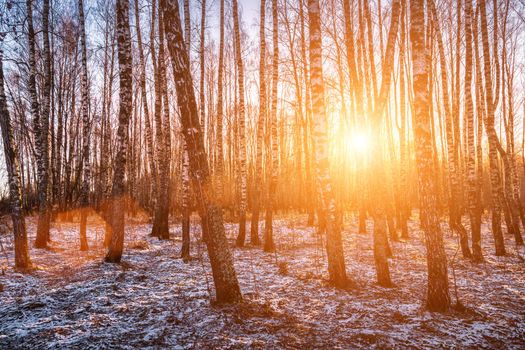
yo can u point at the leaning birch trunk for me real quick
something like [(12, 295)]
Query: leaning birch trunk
[(495, 179), (438, 298), (22, 259), (116, 215), (84, 91), (224, 275), (334, 244), (241, 125)]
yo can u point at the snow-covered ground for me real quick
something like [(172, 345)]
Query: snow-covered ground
[(155, 300)]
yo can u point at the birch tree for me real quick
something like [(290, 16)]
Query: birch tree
[(160, 222), (437, 298), (125, 63), (269, 245), (85, 129), (41, 134), (219, 168), (11, 154), (241, 125), (334, 244), (186, 194), (256, 207), (224, 275), (144, 97)]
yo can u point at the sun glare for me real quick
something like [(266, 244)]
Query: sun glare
[(359, 142)]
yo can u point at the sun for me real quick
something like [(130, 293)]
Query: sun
[(359, 142), (356, 143)]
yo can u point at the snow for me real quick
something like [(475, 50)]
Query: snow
[(154, 300)]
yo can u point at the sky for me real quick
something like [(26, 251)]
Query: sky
[(250, 8), (249, 12)]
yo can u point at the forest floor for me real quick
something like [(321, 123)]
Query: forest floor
[(154, 300)]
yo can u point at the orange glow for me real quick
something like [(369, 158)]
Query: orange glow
[(358, 142)]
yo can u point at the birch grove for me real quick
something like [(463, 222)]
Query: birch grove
[(390, 122)]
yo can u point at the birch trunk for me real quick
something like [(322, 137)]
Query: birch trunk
[(186, 188), (224, 276), (453, 161), (254, 229), (473, 191), (438, 298), (269, 244), (125, 64), (144, 97), (379, 188), (241, 124), (495, 179), (334, 246), (22, 259), (160, 222), (84, 91), (41, 132)]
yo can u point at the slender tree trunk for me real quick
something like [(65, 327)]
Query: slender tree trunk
[(84, 90), (455, 186), (254, 229), (480, 114), (201, 62), (269, 244), (186, 188), (241, 123), (160, 222), (403, 144), (22, 259), (334, 244), (473, 191), (144, 97), (495, 179), (438, 298), (379, 188), (106, 133), (41, 129), (307, 122), (46, 114), (219, 168), (186, 212), (125, 63)]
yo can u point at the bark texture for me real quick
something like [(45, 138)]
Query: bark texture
[(125, 63), (438, 298), (334, 244), (224, 275), (22, 259)]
